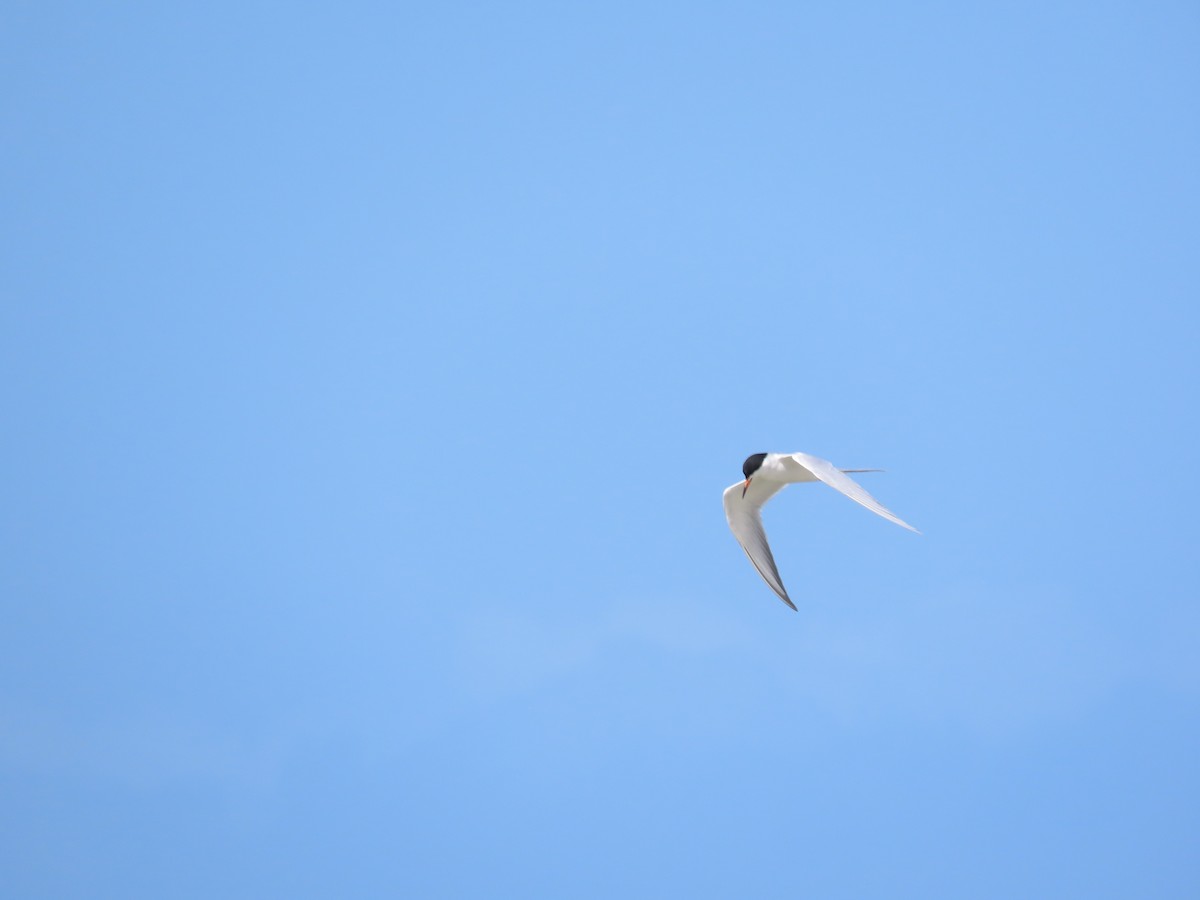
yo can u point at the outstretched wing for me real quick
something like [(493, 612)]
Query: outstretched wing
[(745, 520), (839, 481)]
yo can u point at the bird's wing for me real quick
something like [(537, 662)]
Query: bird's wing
[(745, 520), (839, 481)]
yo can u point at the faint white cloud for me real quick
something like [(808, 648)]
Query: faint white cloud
[(510, 651), (973, 657)]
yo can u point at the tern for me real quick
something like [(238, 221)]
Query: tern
[(766, 475)]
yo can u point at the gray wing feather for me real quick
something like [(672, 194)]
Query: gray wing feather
[(745, 520), (839, 481)]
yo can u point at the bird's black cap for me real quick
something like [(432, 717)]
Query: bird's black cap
[(752, 464)]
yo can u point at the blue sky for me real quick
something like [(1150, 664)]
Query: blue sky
[(371, 374)]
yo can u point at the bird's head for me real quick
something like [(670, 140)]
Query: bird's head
[(752, 464)]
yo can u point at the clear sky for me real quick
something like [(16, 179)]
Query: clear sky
[(370, 375)]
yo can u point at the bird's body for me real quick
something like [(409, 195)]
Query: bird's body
[(766, 475)]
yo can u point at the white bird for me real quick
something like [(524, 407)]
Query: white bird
[(766, 475)]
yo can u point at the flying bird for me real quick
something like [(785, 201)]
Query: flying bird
[(766, 475)]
